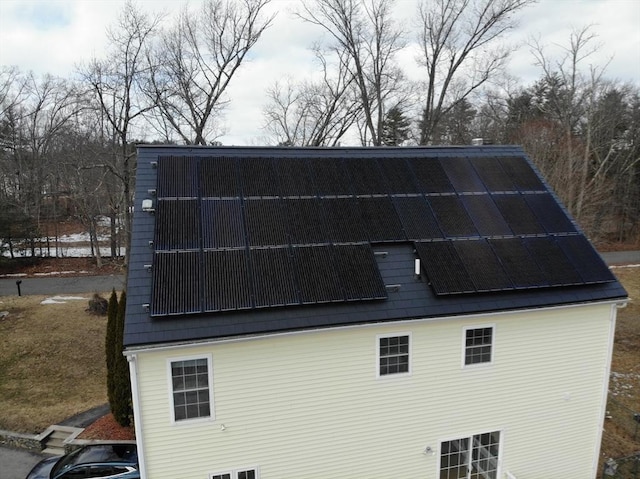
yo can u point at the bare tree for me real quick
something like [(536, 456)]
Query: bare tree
[(195, 61), (364, 32), (459, 51)]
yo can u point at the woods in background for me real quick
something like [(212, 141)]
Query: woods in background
[(67, 145)]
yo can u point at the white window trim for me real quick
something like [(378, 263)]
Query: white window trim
[(211, 416), (464, 346), (377, 365), (499, 430), (234, 472)]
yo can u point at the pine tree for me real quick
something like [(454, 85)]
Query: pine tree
[(110, 344), (395, 127), (121, 407)]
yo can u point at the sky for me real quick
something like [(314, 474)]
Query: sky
[(54, 36)]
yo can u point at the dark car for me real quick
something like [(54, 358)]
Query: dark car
[(114, 460)]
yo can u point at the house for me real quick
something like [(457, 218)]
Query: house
[(363, 313)]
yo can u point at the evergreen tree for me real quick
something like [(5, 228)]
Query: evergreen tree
[(121, 406), (395, 127), (110, 344)]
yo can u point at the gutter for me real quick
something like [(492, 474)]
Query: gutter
[(132, 359)]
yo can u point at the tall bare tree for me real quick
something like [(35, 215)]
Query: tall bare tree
[(365, 32), (195, 61), (460, 53)]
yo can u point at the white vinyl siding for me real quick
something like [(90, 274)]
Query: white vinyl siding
[(307, 404)]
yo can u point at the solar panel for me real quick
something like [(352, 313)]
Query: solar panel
[(494, 177), (266, 225), (482, 265), (176, 283), (258, 177), (177, 177), (400, 179), (295, 177), (554, 264), (553, 219), (306, 221), (518, 214), (485, 215), (330, 176), (452, 217), (446, 272), (518, 263), (318, 278), (417, 219), (222, 224), (219, 178), (521, 173), (462, 176), (366, 176), (430, 175), (358, 272), (585, 259), (273, 277), (177, 223), (380, 220), (344, 220), (226, 280)]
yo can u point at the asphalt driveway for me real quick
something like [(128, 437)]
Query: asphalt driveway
[(16, 463)]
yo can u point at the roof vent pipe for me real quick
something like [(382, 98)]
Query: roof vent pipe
[(417, 268)]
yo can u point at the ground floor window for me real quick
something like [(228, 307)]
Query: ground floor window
[(474, 457), (251, 473)]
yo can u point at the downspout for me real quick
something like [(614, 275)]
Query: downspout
[(132, 358), (605, 389)]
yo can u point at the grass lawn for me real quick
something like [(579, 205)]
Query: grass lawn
[(52, 361)]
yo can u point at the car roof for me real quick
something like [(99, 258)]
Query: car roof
[(123, 453)]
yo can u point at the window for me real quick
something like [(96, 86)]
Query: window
[(251, 473), (474, 457), (191, 388), (478, 345), (393, 355)]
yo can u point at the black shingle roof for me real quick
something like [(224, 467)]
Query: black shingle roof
[(256, 240)]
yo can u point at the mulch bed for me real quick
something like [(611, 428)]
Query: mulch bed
[(106, 428)]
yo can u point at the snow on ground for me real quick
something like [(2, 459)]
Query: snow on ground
[(61, 299), (65, 251)]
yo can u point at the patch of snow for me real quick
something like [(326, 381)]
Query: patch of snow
[(61, 299), (67, 252), (50, 273), (625, 266), (13, 275)]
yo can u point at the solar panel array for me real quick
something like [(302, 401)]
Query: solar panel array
[(236, 233)]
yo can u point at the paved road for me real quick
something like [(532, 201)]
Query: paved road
[(16, 463), (61, 285)]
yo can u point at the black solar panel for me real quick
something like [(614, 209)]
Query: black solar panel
[(416, 217), (219, 178), (222, 224), (452, 217), (482, 265), (176, 283), (266, 225), (344, 220), (273, 277), (430, 175), (358, 272), (585, 259), (226, 280), (518, 214), (258, 177), (554, 264), (485, 215), (380, 220), (462, 176), (366, 176), (317, 275), (446, 272), (306, 220), (494, 177), (400, 178), (553, 219), (518, 263), (177, 225), (520, 172), (294, 177), (330, 176), (177, 177)]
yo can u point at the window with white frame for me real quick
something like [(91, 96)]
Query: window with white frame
[(251, 473), (474, 457), (191, 388), (394, 355), (478, 345)]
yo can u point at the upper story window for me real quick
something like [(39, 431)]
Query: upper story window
[(394, 354), (478, 345), (191, 383)]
